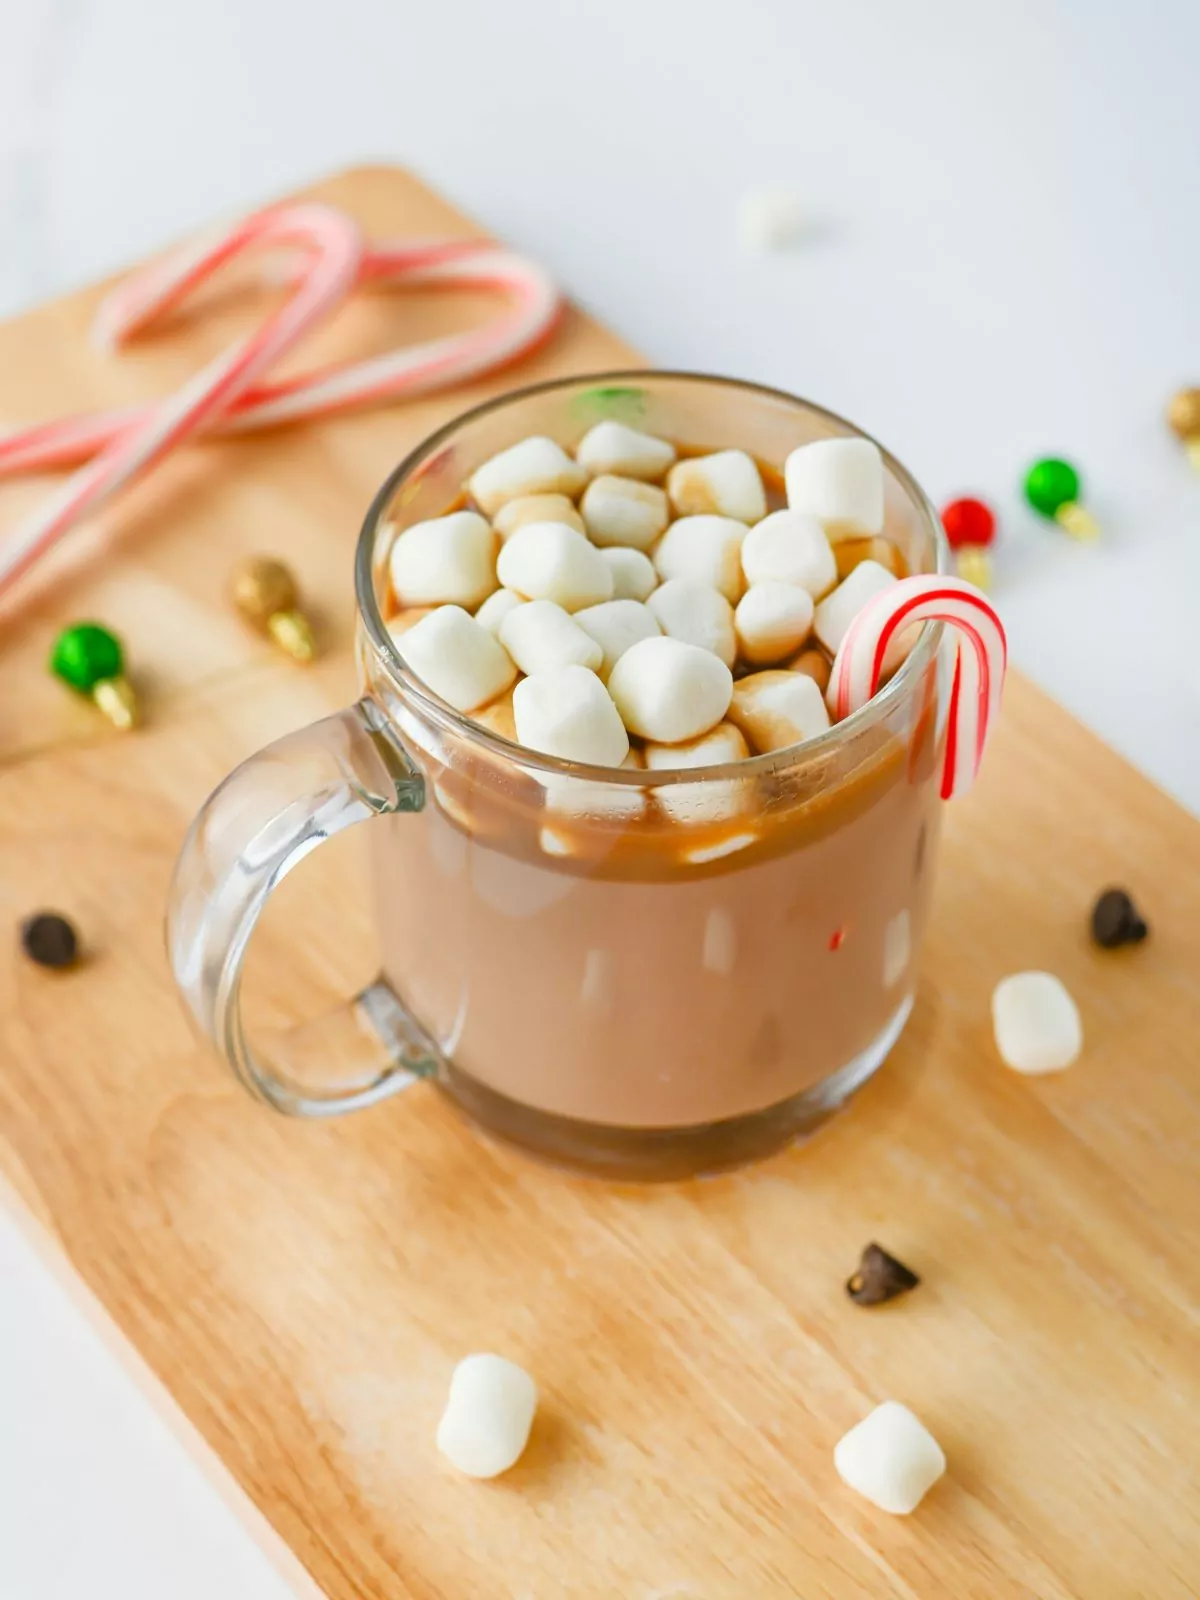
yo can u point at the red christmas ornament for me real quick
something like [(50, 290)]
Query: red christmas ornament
[(968, 522), (970, 528)]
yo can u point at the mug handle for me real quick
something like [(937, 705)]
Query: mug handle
[(259, 824)]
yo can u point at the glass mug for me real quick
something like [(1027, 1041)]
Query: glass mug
[(645, 974)]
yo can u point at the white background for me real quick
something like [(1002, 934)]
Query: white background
[(1003, 262)]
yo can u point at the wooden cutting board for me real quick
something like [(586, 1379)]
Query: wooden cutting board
[(303, 1291)]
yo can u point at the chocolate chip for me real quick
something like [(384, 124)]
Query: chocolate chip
[(49, 939), (1115, 920), (880, 1277)]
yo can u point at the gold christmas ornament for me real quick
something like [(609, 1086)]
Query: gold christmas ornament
[(264, 591), (1183, 418)]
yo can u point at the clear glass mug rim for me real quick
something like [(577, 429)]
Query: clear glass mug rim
[(450, 721)]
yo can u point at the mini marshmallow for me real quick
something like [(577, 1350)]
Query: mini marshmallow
[(848, 553), (697, 614), (534, 466), (615, 626), (449, 560), (540, 636), (670, 691), (840, 482), (567, 713), (549, 561), (835, 613), (1036, 1023), (575, 797), (399, 625), (772, 621), (496, 607), (457, 658), (770, 219), (778, 709), (612, 447), (706, 549), (890, 1458), (634, 577), (814, 665), (624, 511), (726, 484), (489, 1413), (789, 547), (536, 508), (715, 799)]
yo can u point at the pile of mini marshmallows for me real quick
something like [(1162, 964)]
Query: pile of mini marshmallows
[(619, 588)]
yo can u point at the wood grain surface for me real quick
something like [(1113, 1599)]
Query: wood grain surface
[(303, 1291)]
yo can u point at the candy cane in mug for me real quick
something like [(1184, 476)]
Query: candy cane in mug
[(980, 659)]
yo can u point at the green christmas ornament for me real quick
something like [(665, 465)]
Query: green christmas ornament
[(1052, 488), (90, 660)]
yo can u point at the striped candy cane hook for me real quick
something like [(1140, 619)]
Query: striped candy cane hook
[(980, 660)]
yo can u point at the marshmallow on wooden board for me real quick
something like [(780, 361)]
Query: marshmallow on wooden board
[(1036, 1023), (533, 466), (707, 549), (549, 561), (772, 620), (890, 1458), (447, 561), (713, 800), (838, 610), (840, 482), (634, 577), (541, 636), (496, 607), (615, 625), (670, 691), (567, 713), (778, 709), (536, 508), (489, 1413), (624, 511), (789, 547), (697, 614), (612, 447), (457, 659), (727, 484)]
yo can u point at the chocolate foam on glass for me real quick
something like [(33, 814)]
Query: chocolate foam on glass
[(644, 907)]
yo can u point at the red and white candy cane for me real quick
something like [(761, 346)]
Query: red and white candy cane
[(433, 364), (334, 248), (981, 656)]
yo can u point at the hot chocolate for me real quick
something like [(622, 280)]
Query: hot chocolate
[(669, 973)]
